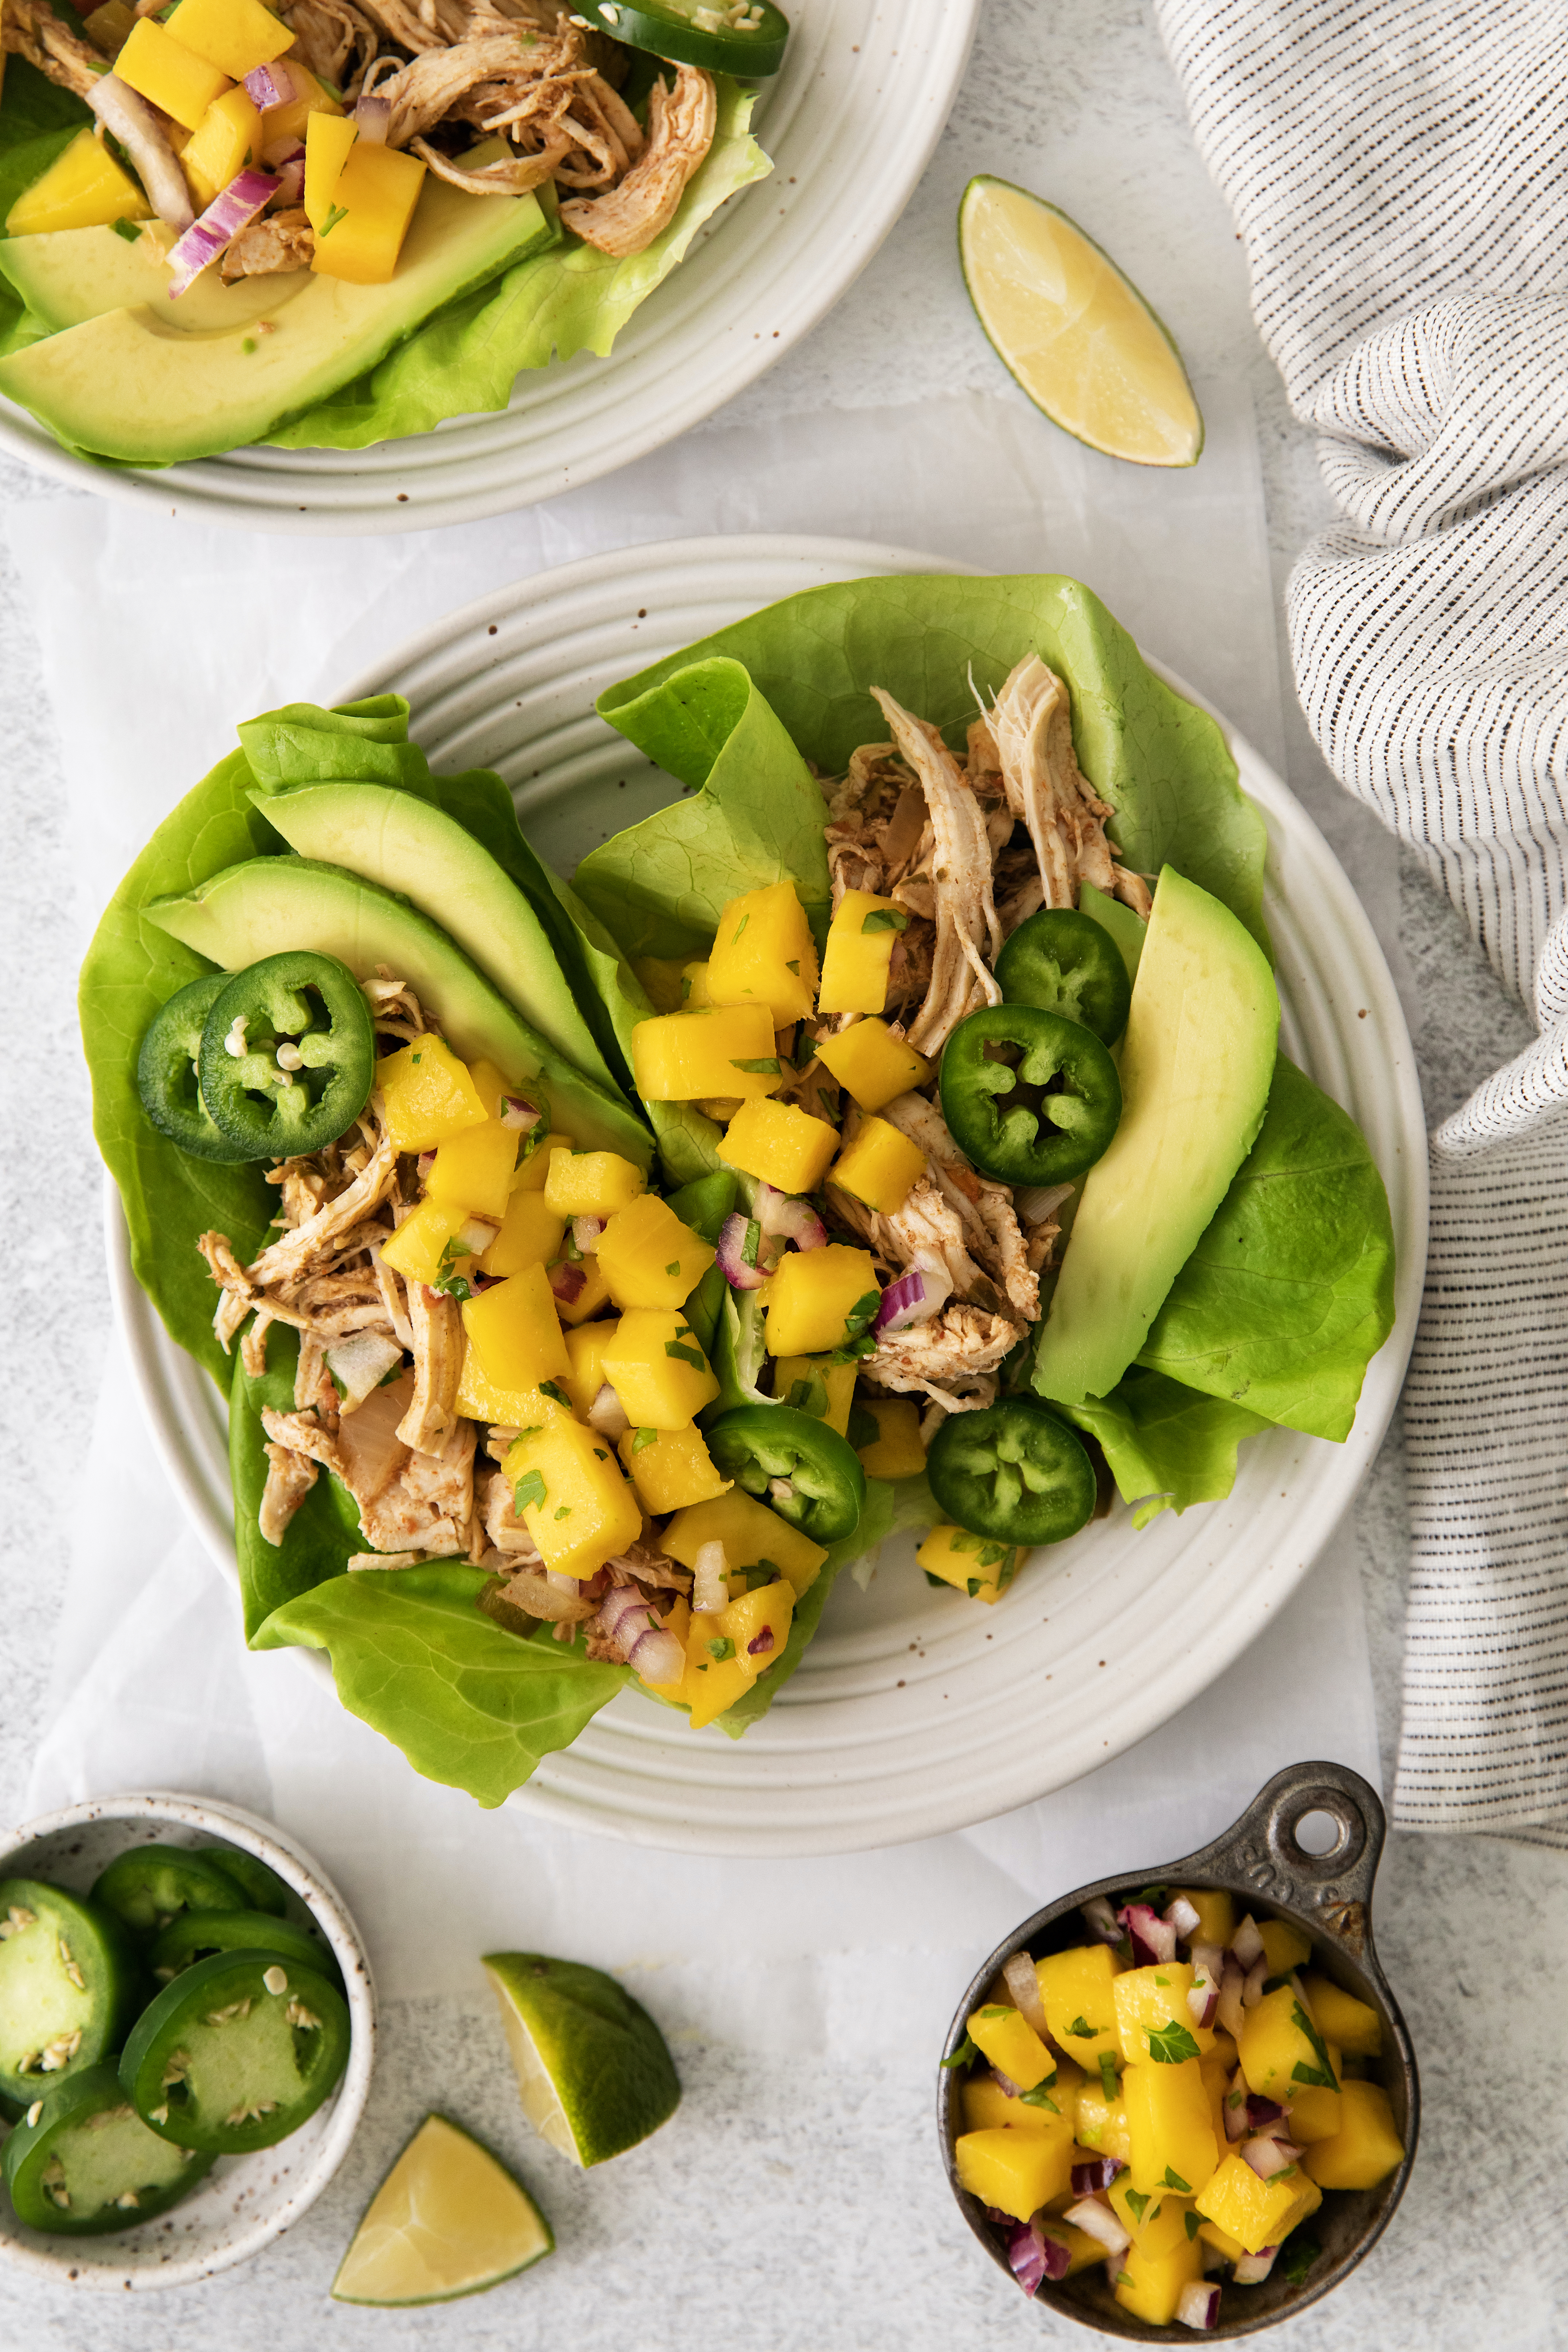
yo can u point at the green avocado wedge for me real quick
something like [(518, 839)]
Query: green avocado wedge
[(131, 385), (257, 908), (74, 274)]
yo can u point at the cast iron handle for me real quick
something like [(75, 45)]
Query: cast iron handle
[(1262, 1849)]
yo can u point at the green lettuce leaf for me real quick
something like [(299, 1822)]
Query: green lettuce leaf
[(757, 817), (1160, 763), (1168, 1447), (470, 1705), (1289, 1293), (465, 358), (323, 1533)]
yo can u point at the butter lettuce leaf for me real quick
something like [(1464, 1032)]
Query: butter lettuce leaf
[(1289, 1293), (323, 1533), (1160, 763), (1168, 1446), (470, 1703)]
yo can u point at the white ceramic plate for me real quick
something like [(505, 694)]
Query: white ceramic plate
[(245, 2201), (850, 123), (913, 1712)]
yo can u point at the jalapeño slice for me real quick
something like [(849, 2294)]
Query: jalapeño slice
[(70, 1984), (265, 1888), (83, 2161), (237, 2052), (166, 1069), (148, 1885), (1013, 1473), (288, 1054), (1067, 963), (746, 37), (197, 1934), (1030, 1097), (797, 1465)]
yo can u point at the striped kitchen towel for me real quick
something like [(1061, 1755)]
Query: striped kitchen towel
[(1399, 173)]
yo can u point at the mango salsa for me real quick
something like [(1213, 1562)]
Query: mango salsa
[(1170, 2127), (879, 1167), (1154, 2022), (580, 1288), (752, 1537), (481, 1400), (1005, 2035), (419, 1247), (1366, 2147), (84, 187), (530, 1233), (585, 1349), (1254, 2212), (1342, 2018), (723, 1051), (169, 75), (715, 1676), (1016, 2172), (1150, 2285), (371, 204), (426, 1093), (569, 1495), (872, 1065), (475, 1168), (670, 1467), (590, 1183), (533, 1169), (969, 1563), (816, 1385), (329, 142), (896, 1450), (1077, 1993), (758, 1622), (658, 1368), (820, 1299), (781, 1143), (516, 1333), (236, 35), (859, 951), (763, 953), (227, 137), (1281, 2048), (648, 1257)]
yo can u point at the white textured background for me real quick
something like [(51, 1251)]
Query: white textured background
[(793, 2205)]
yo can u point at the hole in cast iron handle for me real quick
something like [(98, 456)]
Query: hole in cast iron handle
[(1262, 1851)]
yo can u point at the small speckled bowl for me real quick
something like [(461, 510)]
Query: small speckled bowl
[(245, 2201), (1261, 1861)]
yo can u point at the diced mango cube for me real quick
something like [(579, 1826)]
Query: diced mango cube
[(533, 1168), (1076, 1992), (1083, 2251), (590, 1183), (1016, 2171), (1004, 2035), (1152, 2019), (224, 141), (781, 1143), (1101, 2123), (972, 1564), (1221, 2240), (516, 1333), (475, 1169), (1284, 1947), (763, 953), (585, 1354), (236, 35), (580, 1288), (658, 1368), (1367, 2146), (569, 1493), (84, 187), (715, 1677), (1157, 2224), (426, 1093), (678, 1622), (372, 200), (1281, 2049), (859, 950), (896, 1450), (162, 69), (820, 1299), (530, 1232), (752, 1535), (422, 1240), (879, 1167), (292, 122), (330, 141), (1257, 2213), (481, 1400), (758, 1622), (1170, 2123), (724, 1050), (670, 1467), (649, 1258), (1150, 2285), (872, 1065), (816, 1385), (988, 2107), (1352, 2024), (1315, 2114), (1216, 1910)]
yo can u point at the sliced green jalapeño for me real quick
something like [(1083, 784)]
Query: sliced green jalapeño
[(1067, 963), (148, 1885), (1013, 1473), (746, 37), (71, 1983), (288, 1054), (1031, 1099), (237, 2052), (797, 1465), (263, 1886), (82, 2161), (197, 1934), (166, 1072)]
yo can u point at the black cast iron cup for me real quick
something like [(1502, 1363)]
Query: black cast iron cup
[(1329, 1896)]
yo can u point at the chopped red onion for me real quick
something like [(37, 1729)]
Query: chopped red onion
[(1203, 1998), (903, 1302), (1237, 2123), (740, 1248), (632, 1630), (607, 1414), (585, 1231), (1154, 1942), (795, 1220), (1006, 2084), (1183, 1917), (563, 1583), (566, 1281), (1229, 2013), (290, 170), (140, 131), (359, 1363), (1101, 1920), (1247, 1944), (656, 1656), (476, 1233), (425, 1163), (517, 1112), (234, 209), (1089, 2177), (1252, 2269), (1257, 1978), (1035, 1202), (760, 1643), (1198, 2306), (1026, 2255), (709, 1577), (1057, 2251), (1263, 2111), (1019, 1975), (372, 116), (272, 85), (1268, 2156), (1097, 2221)]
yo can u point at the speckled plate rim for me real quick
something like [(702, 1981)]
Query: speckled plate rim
[(89, 2262), (826, 1771), (851, 122)]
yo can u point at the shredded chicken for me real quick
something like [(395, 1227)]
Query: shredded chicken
[(290, 1478), (30, 29), (1032, 728), (404, 1502), (680, 125), (275, 243), (984, 1209), (438, 1328), (967, 931), (953, 1359)]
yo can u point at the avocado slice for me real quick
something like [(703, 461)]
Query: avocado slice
[(129, 385), (1196, 1064), (268, 904), (72, 274), (406, 845)]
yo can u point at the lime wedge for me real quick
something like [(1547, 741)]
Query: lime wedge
[(593, 2069), (1072, 331), (448, 2219)]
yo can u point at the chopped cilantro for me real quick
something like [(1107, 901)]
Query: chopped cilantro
[(448, 1278), (1041, 2095), (739, 928), (1137, 2204), (644, 1437), (793, 965), (1082, 2029), (885, 918), (752, 1242), (529, 1488), (1300, 2253), (1109, 2086), (1171, 2044), (999, 2009), (564, 1512), (674, 1268), (964, 2055), (1162, 1980), (600, 1454), (1174, 2180), (765, 1067), (1192, 2221), (1324, 2080), (127, 229), (338, 212), (721, 1649), (692, 1356), (1123, 2278), (553, 1389)]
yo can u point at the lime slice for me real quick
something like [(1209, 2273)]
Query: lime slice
[(593, 2069), (1077, 335), (448, 2219)]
